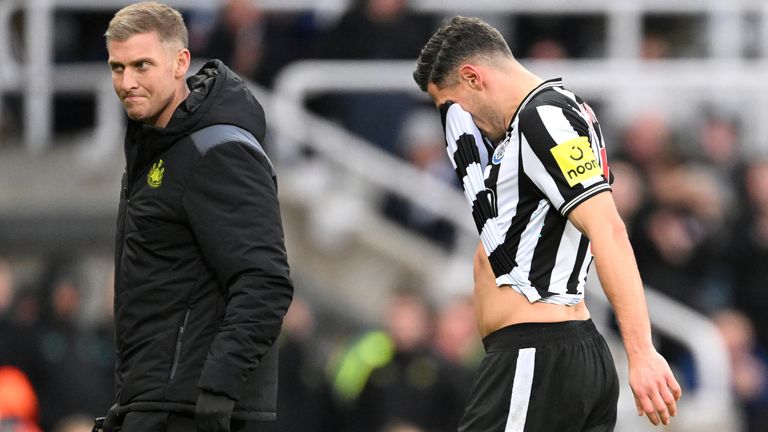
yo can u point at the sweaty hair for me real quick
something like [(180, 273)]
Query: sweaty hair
[(147, 17), (457, 40)]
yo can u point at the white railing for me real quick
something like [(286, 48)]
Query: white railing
[(724, 35), (677, 88), (708, 409)]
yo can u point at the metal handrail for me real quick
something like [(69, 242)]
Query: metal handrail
[(292, 125), (700, 335), (624, 34), (624, 86), (712, 403)]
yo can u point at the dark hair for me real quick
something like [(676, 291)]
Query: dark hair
[(455, 41)]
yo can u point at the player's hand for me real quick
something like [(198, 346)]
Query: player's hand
[(655, 389), (213, 412)]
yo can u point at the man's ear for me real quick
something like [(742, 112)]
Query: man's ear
[(471, 76), (183, 59)]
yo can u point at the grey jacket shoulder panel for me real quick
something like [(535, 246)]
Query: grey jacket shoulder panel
[(209, 137)]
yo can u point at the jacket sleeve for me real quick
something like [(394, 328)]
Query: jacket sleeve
[(232, 207)]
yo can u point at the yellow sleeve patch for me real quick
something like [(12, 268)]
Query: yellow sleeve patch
[(576, 160)]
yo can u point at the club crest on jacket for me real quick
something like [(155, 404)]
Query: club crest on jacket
[(155, 176)]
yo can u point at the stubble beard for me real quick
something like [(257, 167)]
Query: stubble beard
[(149, 118), (497, 130)]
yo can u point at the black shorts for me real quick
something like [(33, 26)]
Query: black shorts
[(540, 377)]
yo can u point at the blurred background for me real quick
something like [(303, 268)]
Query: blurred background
[(381, 336)]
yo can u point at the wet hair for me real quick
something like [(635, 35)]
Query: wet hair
[(457, 40), (147, 17)]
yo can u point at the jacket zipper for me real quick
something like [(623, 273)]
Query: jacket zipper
[(125, 218), (118, 271), (177, 350)]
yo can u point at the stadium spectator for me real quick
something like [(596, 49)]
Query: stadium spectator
[(677, 240), (547, 49), (749, 251), (654, 47), (377, 29), (556, 36), (70, 361), (19, 310), (304, 399), (719, 143), (647, 142), (257, 44), (457, 341), (676, 255), (749, 367), (381, 30), (628, 192), (237, 37), (719, 140), (456, 338), (18, 402), (678, 233), (394, 376)]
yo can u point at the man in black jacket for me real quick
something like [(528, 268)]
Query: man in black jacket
[(201, 275)]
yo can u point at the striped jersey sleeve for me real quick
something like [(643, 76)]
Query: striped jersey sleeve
[(468, 153), (562, 153)]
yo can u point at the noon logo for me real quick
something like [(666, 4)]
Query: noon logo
[(155, 176), (576, 160)]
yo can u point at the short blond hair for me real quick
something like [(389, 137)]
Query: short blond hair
[(147, 17)]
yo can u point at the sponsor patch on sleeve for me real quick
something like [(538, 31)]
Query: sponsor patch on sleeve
[(576, 160)]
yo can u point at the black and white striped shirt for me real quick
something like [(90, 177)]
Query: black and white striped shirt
[(552, 159)]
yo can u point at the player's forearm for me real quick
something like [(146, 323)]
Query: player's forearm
[(621, 282)]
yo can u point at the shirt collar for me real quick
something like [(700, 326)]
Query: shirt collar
[(554, 82)]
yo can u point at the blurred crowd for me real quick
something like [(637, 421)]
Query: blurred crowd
[(696, 213), (55, 373), (695, 206), (411, 374)]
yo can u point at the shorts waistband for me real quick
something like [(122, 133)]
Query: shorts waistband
[(524, 335)]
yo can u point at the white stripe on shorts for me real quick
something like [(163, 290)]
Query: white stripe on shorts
[(521, 390)]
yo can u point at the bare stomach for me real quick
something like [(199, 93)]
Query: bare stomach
[(501, 306)]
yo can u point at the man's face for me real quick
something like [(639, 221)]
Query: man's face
[(145, 76), (477, 103)]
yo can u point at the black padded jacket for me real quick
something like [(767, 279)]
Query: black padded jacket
[(201, 275)]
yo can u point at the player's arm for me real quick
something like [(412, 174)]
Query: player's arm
[(654, 387)]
